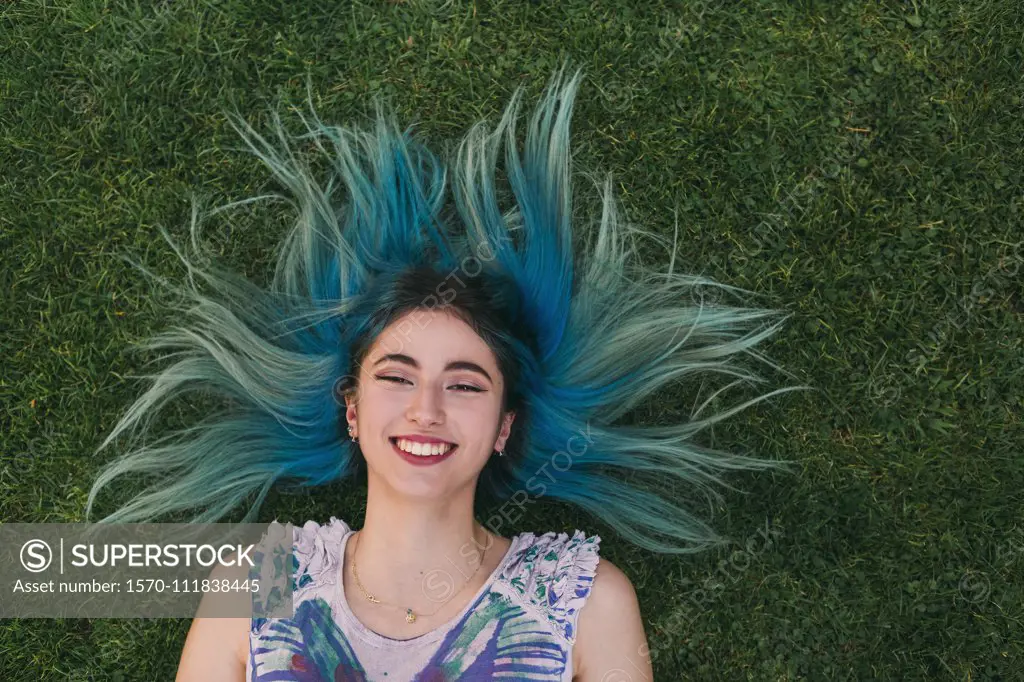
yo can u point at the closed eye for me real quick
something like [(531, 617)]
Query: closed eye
[(466, 388), (395, 379)]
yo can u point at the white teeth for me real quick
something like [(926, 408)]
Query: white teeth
[(423, 449)]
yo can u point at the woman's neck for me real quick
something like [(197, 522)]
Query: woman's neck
[(420, 552)]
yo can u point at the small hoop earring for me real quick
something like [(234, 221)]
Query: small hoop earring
[(354, 439)]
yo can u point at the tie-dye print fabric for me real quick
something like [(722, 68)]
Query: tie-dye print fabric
[(521, 625)]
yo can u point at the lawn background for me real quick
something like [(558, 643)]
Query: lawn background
[(856, 163)]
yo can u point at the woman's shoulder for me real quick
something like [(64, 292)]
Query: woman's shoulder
[(553, 573)]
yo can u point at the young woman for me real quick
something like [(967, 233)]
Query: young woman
[(466, 359)]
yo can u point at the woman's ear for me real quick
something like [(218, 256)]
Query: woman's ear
[(347, 390), (506, 429), (350, 410)]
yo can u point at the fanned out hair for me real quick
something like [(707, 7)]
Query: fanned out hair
[(582, 331)]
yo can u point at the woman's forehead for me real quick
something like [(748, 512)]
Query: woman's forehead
[(432, 338)]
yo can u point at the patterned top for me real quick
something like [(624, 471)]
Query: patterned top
[(520, 625)]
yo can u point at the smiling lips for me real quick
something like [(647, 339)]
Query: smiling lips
[(422, 449), (425, 458)]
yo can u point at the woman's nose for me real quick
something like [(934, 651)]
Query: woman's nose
[(426, 406)]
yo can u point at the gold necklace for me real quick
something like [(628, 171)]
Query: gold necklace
[(410, 615)]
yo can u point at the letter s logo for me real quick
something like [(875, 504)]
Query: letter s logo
[(36, 556)]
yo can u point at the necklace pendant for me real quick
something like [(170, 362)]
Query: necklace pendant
[(410, 617)]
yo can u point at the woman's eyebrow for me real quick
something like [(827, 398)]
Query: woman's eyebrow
[(454, 364)]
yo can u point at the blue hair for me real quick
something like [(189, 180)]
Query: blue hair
[(583, 332)]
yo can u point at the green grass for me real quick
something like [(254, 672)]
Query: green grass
[(858, 163)]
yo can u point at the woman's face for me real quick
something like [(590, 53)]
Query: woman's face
[(428, 374)]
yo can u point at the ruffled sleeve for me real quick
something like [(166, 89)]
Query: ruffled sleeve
[(554, 574), (314, 561), (315, 554)]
